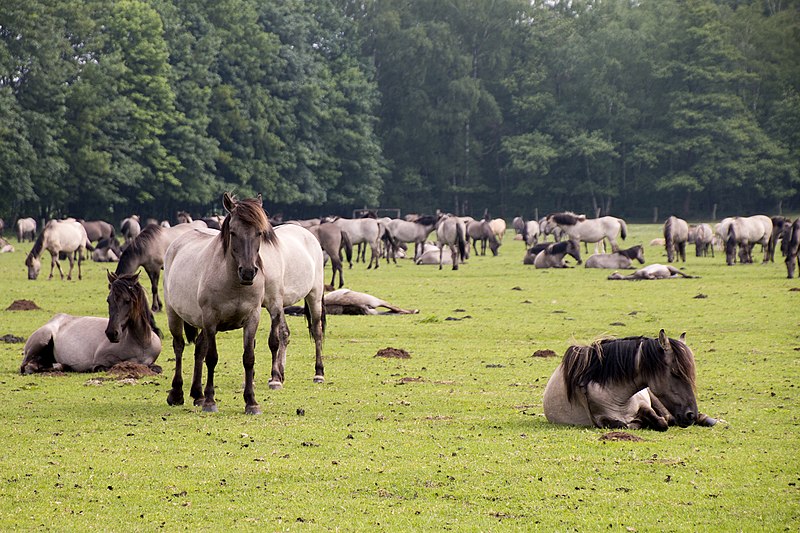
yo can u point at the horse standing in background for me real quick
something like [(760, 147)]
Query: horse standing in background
[(595, 230), (58, 236), (331, 238), (792, 248), (745, 232), (130, 228), (481, 230), (450, 232), (26, 229), (676, 235), (703, 240)]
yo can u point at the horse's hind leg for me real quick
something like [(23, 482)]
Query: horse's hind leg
[(315, 314), (196, 391), (278, 339), (175, 396)]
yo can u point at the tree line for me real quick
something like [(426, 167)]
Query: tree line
[(620, 106)]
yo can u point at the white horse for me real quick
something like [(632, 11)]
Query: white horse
[(58, 236), (362, 230), (595, 230), (130, 227), (498, 226), (654, 271), (745, 232)]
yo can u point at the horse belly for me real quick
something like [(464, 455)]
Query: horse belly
[(557, 408), (78, 342)]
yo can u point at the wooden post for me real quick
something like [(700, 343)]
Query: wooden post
[(714, 212), (655, 215)]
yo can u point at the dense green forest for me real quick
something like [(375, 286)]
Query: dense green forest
[(618, 106)]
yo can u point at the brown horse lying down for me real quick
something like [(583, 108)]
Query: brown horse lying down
[(654, 271)]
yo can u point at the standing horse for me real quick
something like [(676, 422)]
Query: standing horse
[(331, 238), (703, 240), (779, 225), (147, 250), (481, 230), (498, 226), (553, 255), (415, 231), (578, 228), (362, 230), (634, 382), (97, 230), (88, 343), (620, 259), (450, 232), (676, 235), (530, 232), (26, 229), (745, 232), (130, 228), (58, 236), (219, 280), (792, 248)]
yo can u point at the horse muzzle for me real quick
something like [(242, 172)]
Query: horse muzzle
[(247, 275), (112, 335)]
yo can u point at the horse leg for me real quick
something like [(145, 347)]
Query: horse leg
[(211, 356), (647, 418), (196, 391), (454, 253), (278, 339), (315, 312), (71, 258), (248, 361), (175, 396), (375, 256), (154, 275)]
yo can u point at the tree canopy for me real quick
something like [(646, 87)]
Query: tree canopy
[(150, 106)]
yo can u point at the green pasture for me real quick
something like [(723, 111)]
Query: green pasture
[(452, 438)]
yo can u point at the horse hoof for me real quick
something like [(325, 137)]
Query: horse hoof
[(174, 399), (252, 410), (275, 385), (198, 401), (210, 408), (319, 379)]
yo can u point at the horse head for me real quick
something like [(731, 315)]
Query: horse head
[(127, 304), (243, 231), (673, 382), (34, 266), (574, 249)]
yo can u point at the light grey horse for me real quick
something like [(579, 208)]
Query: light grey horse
[(676, 235), (654, 271), (26, 229), (362, 230), (481, 230), (58, 236), (347, 302), (703, 240), (595, 230), (553, 255), (130, 228), (620, 259), (450, 232), (745, 232), (415, 231)]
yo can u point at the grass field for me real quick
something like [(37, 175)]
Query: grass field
[(451, 439)]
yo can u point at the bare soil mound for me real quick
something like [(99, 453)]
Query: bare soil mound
[(397, 353), (621, 435), (544, 353), (22, 305), (11, 339), (129, 370)]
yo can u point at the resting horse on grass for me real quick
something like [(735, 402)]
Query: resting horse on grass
[(553, 255), (676, 235), (630, 383), (620, 259), (89, 344), (654, 271), (347, 302), (578, 228), (147, 250), (67, 236), (219, 281)]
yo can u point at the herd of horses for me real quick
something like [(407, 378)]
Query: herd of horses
[(219, 275)]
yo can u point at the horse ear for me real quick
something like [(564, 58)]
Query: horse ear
[(228, 202), (260, 201), (663, 340), (111, 276), (683, 337)]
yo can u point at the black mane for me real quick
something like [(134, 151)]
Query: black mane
[(129, 261), (426, 220), (566, 219), (632, 252)]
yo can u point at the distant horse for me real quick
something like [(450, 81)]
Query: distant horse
[(553, 255), (450, 232), (89, 344), (792, 248), (578, 228), (629, 383), (219, 280), (331, 238), (130, 228), (745, 232), (620, 259), (347, 302), (430, 255), (58, 236), (362, 230), (703, 240), (147, 250), (26, 229), (97, 230), (533, 251), (518, 223), (779, 225), (530, 232), (415, 231), (498, 226), (481, 230), (107, 251), (676, 234), (654, 271)]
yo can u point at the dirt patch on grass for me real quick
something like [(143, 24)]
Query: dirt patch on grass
[(397, 353), (417, 379), (11, 339), (22, 305), (129, 370), (544, 353), (621, 436)]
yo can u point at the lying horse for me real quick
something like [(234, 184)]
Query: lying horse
[(88, 343), (620, 259), (107, 251), (654, 271), (533, 251), (676, 235), (630, 383), (553, 255), (347, 302)]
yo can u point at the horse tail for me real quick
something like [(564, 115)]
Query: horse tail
[(668, 238), (348, 248), (190, 332), (462, 244), (623, 228)]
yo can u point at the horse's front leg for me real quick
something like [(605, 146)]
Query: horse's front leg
[(53, 263), (175, 396), (248, 360), (154, 277), (71, 266), (278, 339), (200, 348), (211, 356)]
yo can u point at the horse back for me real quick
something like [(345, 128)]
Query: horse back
[(293, 268), (558, 409)]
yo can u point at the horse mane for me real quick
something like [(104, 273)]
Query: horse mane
[(136, 248), (567, 218), (609, 361), (141, 313), (557, 248), (426, 220), (631, 252), (36, 251), (251, 213)]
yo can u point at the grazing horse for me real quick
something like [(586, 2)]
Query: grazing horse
[(130, 228), (553, 255), (88, 343), (676, 235), (792, 248), (147, 250), (518, 223), (578, 228), (620, 259), (347, 302), (58, 236), (362, 230), (779, 225), (97, 230), (331, 238), (26, 229), (654, 271), (745, 232), (219, 281), (415, 231), (450, 232), (530, 232), (629, 383), (498, 226), (703, 240), (481, 230)]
